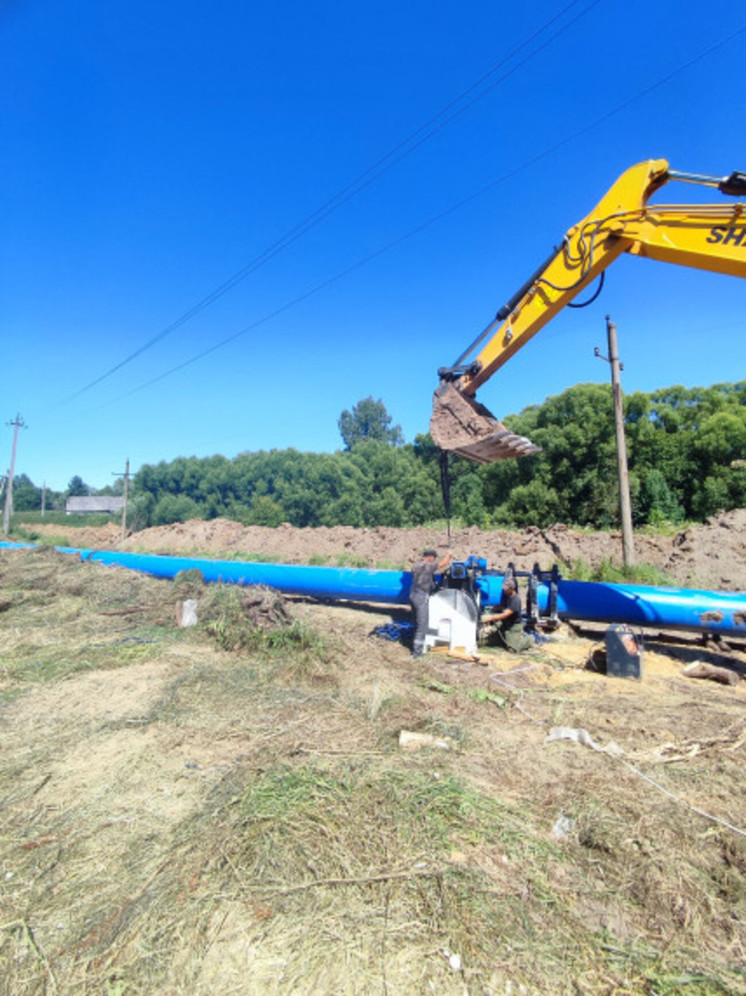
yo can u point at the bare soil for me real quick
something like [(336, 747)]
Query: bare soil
[(710, 556)]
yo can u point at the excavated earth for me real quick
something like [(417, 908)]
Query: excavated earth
[(711, 556)]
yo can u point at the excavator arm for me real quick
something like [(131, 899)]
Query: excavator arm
[(705, 236)]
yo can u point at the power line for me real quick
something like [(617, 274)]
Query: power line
[(457, 206), (423, 133)]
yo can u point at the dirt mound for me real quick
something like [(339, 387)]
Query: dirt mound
[(710, 556)]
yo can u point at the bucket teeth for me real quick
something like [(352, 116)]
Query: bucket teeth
[(464, 426)]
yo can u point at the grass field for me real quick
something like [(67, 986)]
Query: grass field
[(229, 809)]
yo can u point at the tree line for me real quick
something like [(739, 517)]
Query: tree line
[(686, 454), (27, 497)]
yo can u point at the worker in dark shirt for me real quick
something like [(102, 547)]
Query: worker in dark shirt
[(504, 626), (423, 575)]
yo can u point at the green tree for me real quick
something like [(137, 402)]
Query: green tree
[(265, 511), (140, 509), (77, 487), (467, 499), (26, 496), (694, 438), (656, 502), (384, 467), (174, 508), (686, 448), (532, 504), (368, 420)]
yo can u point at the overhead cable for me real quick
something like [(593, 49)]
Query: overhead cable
[(457, 206), (414, 140)]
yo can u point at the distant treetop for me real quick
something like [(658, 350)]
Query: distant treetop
[(368, 420)]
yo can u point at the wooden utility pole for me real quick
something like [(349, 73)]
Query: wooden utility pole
[(126, 476), (124, 505), (625, 505), (8, 511)]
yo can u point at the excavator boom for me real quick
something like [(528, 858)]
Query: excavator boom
[(705, 236)]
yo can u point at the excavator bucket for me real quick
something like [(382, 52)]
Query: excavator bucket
[(462, 425)]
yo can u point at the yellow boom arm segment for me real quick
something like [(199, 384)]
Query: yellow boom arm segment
[(705, 236)]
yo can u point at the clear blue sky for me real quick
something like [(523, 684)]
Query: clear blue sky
[(151, 151)]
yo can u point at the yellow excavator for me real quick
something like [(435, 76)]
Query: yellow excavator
[(705, 236)]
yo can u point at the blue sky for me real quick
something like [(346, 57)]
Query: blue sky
[(150, 152)]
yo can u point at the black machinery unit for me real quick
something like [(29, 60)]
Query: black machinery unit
[(623, 652)]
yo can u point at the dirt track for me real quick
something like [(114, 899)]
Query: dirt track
[(710, 556)]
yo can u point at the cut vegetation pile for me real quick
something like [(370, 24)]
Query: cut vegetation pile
[(227, 808)]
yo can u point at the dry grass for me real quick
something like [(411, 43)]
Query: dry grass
[(226, 809)]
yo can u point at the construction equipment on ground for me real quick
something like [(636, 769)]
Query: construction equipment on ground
[(718, 614), (704, 236)]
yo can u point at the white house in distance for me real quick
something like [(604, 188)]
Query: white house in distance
[(100, 504)]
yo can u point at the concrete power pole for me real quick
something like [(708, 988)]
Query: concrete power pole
[(18, 424), (625, 505)]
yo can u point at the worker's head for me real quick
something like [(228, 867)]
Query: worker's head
[(509, 585), (429, 554)]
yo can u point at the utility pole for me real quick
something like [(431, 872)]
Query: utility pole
[(18, 424), (625, 505), (43, 498), (126, 476), (124, 504)]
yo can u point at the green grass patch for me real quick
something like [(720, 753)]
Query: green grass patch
[(318, 560), (482, 695), (613, 573), (352, 560), (242, 556), (666, 528), (30, 662), (21, 535), (411, 813), (58, 517)]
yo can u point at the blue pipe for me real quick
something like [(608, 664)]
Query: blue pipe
[(319, 582), (717, 612)]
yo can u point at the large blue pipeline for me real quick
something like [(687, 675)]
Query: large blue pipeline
[(719, 613)]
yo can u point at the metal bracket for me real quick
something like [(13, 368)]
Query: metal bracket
[(450, 374)]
